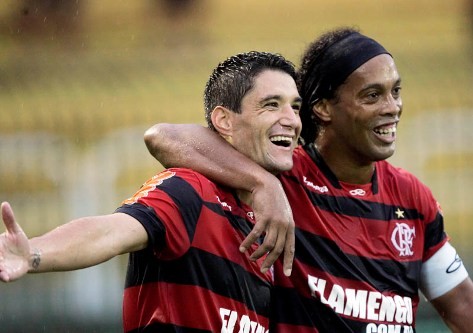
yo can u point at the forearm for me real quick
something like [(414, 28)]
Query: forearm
[(456, 307), (199, 148), (77, 244)]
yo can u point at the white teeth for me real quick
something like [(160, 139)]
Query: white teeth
[(386, 131), (282, 141), (281, 138)]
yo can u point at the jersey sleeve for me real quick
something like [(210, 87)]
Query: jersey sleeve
[(433, 223), (168, 206), (442, 272), (442, 269), (152, 224)]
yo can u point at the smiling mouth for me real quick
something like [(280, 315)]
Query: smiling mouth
[(281, 141), (388, 131)]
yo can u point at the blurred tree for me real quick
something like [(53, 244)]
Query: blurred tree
[(178, 8), (182, 21)]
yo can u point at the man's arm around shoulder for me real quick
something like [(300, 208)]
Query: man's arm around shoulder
[(201, 149)]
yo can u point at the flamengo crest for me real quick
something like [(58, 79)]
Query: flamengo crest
[(402, 239)]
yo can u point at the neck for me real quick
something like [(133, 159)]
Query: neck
[(346, 168)]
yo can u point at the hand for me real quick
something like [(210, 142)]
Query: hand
[(273, 215), (14, 247)]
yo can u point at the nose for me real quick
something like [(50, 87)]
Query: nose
[(393, 105), (290, 117)]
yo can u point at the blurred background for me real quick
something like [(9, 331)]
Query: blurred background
[(80, 82)]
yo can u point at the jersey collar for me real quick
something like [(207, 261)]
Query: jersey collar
[(314, 154)]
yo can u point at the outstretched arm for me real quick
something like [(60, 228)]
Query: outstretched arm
[(199, 148), (15, 258), (78, 244)]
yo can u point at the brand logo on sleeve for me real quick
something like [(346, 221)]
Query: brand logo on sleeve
[(149, 186), (455, 265)]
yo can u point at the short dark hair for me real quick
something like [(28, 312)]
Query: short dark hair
[(231, 80)]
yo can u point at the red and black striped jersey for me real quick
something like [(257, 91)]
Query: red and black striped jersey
[(359, 249), (192, 277)]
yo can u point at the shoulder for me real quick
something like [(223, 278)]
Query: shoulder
[(185, 173), (393, 174), (400, 182), (199, 182)]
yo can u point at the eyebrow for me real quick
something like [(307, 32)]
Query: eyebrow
[(379, 85)]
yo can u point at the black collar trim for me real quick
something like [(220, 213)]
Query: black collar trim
[(319, 161)]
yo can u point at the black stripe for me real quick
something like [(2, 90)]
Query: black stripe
[(384, 275), (152, 224), (356, 207), (191, 207), (319, 161), (238, 222), (432, 235), (188, 202), (200, 268), (308, 312), (186, 199)]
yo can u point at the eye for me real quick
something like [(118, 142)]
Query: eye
[(373, 95), (296, 108), (397, 92), (272, 105)]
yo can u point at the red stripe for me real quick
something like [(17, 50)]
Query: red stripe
[(224, 242), (181, 305)]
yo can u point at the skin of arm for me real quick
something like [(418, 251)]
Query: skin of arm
[(456, 307), (80, 243), (194, 146)]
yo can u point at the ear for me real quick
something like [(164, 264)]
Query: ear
[(222, 121), (322, 110)]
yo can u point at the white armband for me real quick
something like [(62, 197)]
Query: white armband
[(442, 272)]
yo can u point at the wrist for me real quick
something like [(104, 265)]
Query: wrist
[(35, 260), (264, 180)]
